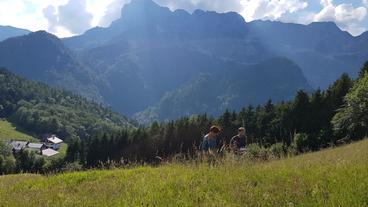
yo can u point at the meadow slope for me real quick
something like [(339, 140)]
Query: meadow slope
[(8, 131), (333, 177)]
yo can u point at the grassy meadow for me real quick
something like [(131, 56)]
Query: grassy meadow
[(333, 177), (9, 131)]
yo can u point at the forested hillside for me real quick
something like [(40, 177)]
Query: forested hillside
[(41, 109), (277, 79), (43, 57)]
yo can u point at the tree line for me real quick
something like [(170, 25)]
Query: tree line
[(309, 122)]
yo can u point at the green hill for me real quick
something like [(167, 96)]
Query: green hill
[(8, 131), (334, 177), (41, 109)]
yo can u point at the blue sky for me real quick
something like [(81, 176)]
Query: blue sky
[(70, 17)]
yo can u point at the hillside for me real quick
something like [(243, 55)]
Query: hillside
[(8, 131), (41, 109), (333, 177), (321, 49), (151, 51), (217, 91), (42, 57)]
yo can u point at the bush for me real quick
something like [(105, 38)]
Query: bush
[(277, 150), (72, 167), (292, 150), (301, 142), (9, 164), (255, 151)]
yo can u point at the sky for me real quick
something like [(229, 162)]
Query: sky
[(66, 18)]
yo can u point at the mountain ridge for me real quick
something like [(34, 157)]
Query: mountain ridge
[(43, 57), (9, 31)]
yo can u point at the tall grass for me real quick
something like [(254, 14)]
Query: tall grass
[(333, 177)]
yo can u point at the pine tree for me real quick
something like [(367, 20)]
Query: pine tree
[(301, 112)]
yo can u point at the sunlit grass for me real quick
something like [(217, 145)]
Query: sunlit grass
[(9, 131), (334, 177)]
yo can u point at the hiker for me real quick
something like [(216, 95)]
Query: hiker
[(209, 143), (238, 142)]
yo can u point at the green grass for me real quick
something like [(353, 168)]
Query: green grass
[(62, 152), (334, 177), (8, 132)]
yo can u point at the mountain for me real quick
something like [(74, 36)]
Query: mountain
[(230, 88), (150, 53), (144, 19), (321, 49), (43, 57), (40, 109), (8, 31)]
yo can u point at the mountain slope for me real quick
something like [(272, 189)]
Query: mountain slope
[(7, 32), (150, 51), (40, 109), (43, 57), (156, 51), (321, 49), (230, 88), (293, 181)]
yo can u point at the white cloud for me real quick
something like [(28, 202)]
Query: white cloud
[(344, 15), (68, 17), (111, 12), (270, 9), (249, 9), (213, 5), (72, 17), (365, 2)]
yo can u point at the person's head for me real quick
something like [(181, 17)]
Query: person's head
[(214, 131), (241, 131)]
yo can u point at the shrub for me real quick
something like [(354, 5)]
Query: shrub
[(255, 151), (72, 167), (301, 142), (277, 150)]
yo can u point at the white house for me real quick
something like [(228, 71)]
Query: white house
[(49, 152), (53, 142)]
